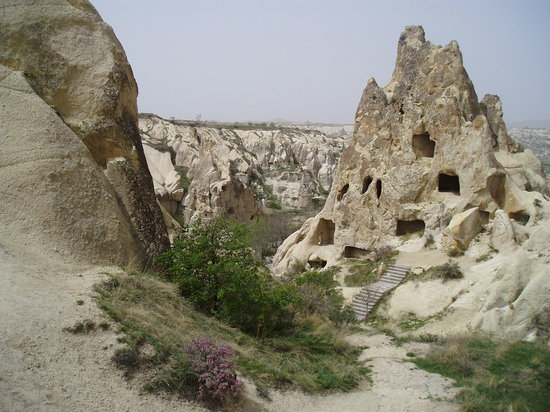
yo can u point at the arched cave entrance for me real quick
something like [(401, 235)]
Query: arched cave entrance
[(355, 252), (324, 233), (342, 192), (366, 183), (378, 188)]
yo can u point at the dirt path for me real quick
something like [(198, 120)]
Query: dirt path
[(44, 368)]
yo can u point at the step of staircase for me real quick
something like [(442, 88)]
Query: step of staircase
[(369, 296)]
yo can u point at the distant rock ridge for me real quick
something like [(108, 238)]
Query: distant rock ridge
[(424, 151), (75, 179), (206, 169)]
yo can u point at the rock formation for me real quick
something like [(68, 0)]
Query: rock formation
[(424, 150), (206, 169), (76, 187)]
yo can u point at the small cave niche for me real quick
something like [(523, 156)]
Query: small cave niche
[(520, 217), (366, 183), (448, 184), (324, 233), (404, 227), (317, 263), (496, 186), (484, 216), (342, 192), (378, 188), (355, 252), (422, 145), (231, 211)]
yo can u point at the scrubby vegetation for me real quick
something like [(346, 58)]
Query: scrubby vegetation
[(310, 355), (283, 333), (496, 376)]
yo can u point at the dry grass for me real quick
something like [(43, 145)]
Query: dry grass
[(314, 357)]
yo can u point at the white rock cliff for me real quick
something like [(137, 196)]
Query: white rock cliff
[(207, 169)]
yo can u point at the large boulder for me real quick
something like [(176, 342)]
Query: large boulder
[(463, 227), (77, 182), (424, 149)]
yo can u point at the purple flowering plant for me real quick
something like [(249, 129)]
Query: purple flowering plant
[(216, 377)]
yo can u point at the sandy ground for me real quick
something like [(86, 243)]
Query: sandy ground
[(44, 368)]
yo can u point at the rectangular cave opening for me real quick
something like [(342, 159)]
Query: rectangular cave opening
[(324, 233), (355, 252), (448, 184), (404, 227), (422, 145)]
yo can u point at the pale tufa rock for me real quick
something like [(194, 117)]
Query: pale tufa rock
[(424, 149), (463, 227), (503, 235), (75, 67), (243, 170)]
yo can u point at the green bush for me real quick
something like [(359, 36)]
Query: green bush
[(319, 295), (214, 266)]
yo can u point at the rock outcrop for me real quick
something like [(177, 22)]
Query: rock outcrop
[(207, 169), (424, 149), (76, 186)]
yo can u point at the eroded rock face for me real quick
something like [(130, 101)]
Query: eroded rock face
[(424, 149), (238, 169), (70, 68)]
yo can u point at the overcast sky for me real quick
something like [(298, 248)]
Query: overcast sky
[(258, 60)]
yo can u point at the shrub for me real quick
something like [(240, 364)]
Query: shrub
[(216, 377), (215, 268), (319, 295), (450, 271)]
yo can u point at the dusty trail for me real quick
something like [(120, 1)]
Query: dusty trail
[(43, 368)]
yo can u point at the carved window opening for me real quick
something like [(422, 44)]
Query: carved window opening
[(342, 192), (355, 252), (317, 264), (405, 227), (324, 234), (520, 217), (422, 145), (366, 183), (449, 184), (378, 188)]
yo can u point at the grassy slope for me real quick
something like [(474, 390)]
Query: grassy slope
[(313, 358), (496, 376)]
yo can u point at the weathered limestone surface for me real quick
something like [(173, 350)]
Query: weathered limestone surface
[(424, 149), (69, 102), (242, 170)]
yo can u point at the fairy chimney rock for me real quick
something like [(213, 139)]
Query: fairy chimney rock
[(424, 149)]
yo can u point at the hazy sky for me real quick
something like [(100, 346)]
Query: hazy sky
[(239, 60)]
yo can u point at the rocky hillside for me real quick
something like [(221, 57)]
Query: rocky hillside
[(538, 140), (428, 160), (75, 183), (206, 169)]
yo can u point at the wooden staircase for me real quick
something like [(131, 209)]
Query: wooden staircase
[(369, 296)]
